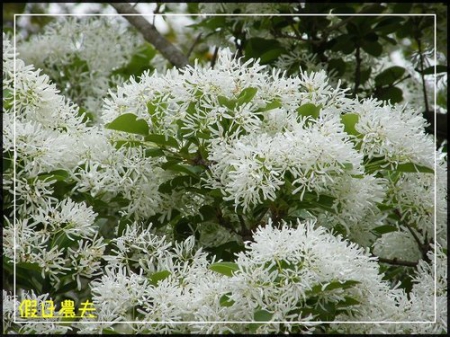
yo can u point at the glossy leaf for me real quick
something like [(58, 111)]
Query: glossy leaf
[(159, 276), (389, 76), (349, 121), (432, 70), (309, 109), (246, 95), (393, 95), (385, 229), (129, 123), (225, 301), (224, 268), (411, 167), (373, 48), (162, 140), (262, 316)]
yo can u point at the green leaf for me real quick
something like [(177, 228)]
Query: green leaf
[(68, 287), (129, 123), (108, 331), (431, 70), (338, 65), (385, 229), (388, 24), (177, 182), (391, 94), (7, 93), (224, 268), (349, 121), (344, 43), (159, 276), (58, 175), (373, 48), (402, 7), (348, 301), (272, 105), (246, 95), (389, 76), (365, 75), (163, 140), (138, 63), (309, 109), (411, 167), (151, 108), (256, 46), (340, 285), (262, 316), (62, 240), (271, 55), (193, 171), (207, 212), (225, 301), (29, 266), (128, 143), (230, 104), (154, 153), (319, 288)]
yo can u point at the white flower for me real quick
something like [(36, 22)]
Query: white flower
[(395, 133), (280, 268), (138, 246), (74, 219), (397, 245), (86, 50), (86, 258), (118, 291)]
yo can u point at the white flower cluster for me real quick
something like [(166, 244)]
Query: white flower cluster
[(424, 309), (84, 51), (290, 273), (250, 140)]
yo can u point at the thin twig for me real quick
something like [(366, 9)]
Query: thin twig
[(214, 58), (150, 34), (194, 44), (401, 80)]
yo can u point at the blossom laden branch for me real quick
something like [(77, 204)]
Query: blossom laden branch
[(151, 35)]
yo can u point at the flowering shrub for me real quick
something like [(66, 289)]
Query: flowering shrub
[(221, 200)]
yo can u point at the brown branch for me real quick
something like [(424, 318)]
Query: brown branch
[(151, 35), (194, 44), (214, 57)]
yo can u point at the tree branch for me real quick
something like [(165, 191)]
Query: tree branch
[(194, 44), (151, 35)]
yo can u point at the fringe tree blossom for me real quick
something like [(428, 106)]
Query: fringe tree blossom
[(233, 199), (74, 49)]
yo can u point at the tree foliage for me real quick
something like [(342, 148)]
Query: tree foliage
[(256, 168)]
